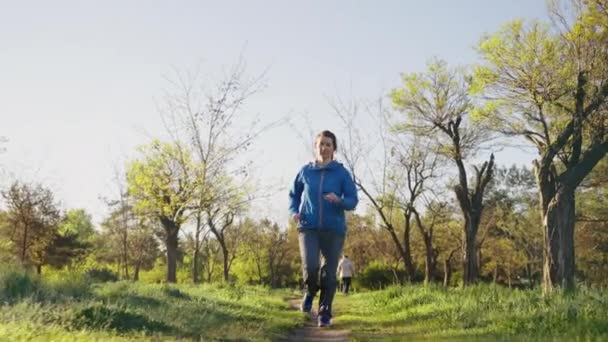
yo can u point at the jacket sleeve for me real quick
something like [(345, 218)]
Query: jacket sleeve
[(349, 196), (295, 194)]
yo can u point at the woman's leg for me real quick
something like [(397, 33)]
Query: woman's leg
[(309, 251), (330, 244)]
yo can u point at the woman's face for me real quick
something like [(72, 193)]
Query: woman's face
[(325, 148)]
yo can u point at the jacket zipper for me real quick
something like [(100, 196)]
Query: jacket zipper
[(321, 199)]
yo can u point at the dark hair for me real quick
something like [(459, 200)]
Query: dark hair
[(328, 134)]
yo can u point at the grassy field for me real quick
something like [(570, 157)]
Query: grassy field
[(74, 310), (62, 309), (479, 313)]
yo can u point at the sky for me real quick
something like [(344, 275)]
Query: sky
[(81, 82)]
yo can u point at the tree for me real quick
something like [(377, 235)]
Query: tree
[(513, 210), (162, 182), (435, 215), (419, 165), (551, 88), (64, 248), (438, 108), (77, 222), (211, 119), (220, 219), (113, 242), (592, 226), (381, 187), (128, 239), (31, 222), (196, 240), (72, 240), (277, 250), (143, 246)]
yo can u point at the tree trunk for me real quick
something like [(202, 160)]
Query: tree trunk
[(24, 245), (470, 255), (471, 205), (136, 270), (407, 250), (225, 260), (558, 264), (125, 256), (197, 249), (447, 272), (171, 241), (38, 269), (195, 266), (479, 260), (550, 251), (566, 220), (429, 265)]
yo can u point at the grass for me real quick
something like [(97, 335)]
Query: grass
[(121, 311), (62, 308), (482, 312)]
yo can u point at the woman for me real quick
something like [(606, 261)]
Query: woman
[(321, 192)]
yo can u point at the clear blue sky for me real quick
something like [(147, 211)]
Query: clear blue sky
[(80, 80)]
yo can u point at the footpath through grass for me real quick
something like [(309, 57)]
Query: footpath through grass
[(479, 313), (74, 310)]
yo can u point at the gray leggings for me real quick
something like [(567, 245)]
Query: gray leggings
[(329, 244)]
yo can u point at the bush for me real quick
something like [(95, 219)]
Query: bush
[(376, 276), (101, 275), (16, 285)]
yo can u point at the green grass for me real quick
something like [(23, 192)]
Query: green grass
[(62, 308), (482, 312), (75, 310)]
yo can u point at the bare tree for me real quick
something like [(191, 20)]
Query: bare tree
[(418, 165), (383, 183), (213, 121)]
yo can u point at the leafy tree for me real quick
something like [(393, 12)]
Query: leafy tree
[(552, 88), (32, 219), (438, 108), (592, 226), (162, 182), (77, 222)]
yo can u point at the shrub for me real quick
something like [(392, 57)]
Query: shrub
[(376, 276), (101, 275), (16, 285)]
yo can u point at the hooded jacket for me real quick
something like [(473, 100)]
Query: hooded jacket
[(306, 196)]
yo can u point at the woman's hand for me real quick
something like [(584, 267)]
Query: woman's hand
[(333, 198), (295, 218)]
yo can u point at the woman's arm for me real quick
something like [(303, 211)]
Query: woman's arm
[(349, 195), (295, 194)]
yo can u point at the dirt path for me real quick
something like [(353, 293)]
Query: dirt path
[(310, 331)]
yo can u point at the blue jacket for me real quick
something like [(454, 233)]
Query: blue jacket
[(306, 196)]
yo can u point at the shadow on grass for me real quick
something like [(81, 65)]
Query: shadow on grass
[(115, 318)]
